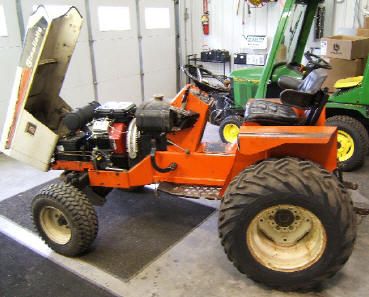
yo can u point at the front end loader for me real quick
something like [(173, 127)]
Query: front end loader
[(286, 218)]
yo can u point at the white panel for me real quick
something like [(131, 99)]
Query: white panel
[(3, 109), (79, 77), (261, 28), (8, 61), (157, 18), (13, 36), (10, 47), (114, 18), (116, 56), (26, 148), (159, 53), (3, 26), (195, 36), (115, 90)]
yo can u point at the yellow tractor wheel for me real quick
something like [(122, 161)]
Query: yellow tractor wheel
[(353, 141), (230, 128), (346, 146)]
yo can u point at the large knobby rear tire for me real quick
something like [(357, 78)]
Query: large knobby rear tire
[(353, 141), (287, 223), (65, 219), (230, 128)]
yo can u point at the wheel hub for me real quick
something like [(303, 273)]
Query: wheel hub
[(61, 221), (346, 146), (284, 218), (231, 132), (284, 225), (55, 225), (286, 238)]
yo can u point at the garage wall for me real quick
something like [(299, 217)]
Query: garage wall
[(10, 47), (349, 14), (226, 28)]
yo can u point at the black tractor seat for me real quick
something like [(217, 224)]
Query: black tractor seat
[(289, 83), (305, 95)]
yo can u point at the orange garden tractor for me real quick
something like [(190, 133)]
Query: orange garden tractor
[(286, 218)]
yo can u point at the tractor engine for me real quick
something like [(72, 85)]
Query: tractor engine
[(117, 135), (97, 133)]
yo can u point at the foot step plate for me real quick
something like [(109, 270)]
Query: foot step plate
[(188, 191)]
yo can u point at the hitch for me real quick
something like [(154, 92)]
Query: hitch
[(348, 185), (360, 208)]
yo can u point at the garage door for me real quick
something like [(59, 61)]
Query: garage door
[(116, 51), (158, 47), (133, 52), (10, 48)]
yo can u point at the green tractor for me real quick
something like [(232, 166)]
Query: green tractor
[(344, 110)]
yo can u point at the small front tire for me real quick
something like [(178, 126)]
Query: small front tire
[(65, 219)]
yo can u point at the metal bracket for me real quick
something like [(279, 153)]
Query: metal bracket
[(171, 167)]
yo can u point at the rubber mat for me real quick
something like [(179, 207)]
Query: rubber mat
[(25, 273), (134, 228)]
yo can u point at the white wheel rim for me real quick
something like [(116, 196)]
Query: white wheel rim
[(55, 225), (286, 238)]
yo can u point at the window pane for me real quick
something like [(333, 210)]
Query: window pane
[(3, 28), (114, 18), (157, 18)]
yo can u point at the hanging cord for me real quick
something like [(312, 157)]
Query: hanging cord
[(205, 6)]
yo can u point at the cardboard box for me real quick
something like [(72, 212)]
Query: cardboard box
[(345, 47), (343, 69), (362, 32)]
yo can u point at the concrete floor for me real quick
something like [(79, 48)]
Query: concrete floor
[(197, 265)]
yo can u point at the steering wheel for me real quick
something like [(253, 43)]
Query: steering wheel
[(315, 62), (205, 80)]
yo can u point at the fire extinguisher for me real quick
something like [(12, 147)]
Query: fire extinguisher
[(205, 18)]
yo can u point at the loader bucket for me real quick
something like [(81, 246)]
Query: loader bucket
[(33, 121)]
